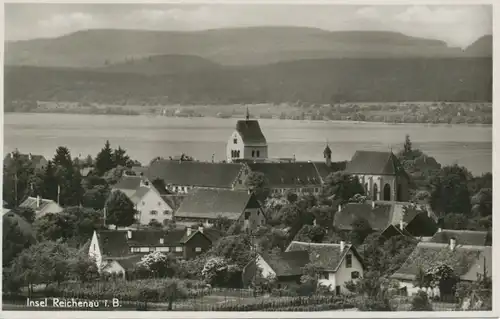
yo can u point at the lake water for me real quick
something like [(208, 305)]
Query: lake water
[(146, 137)]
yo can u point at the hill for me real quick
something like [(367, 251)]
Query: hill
[(162, 64), (312, 81), (239, 46), (482, 47)]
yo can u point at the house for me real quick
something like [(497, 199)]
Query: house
[(183, 176), (147, 199), (381, 174), (206, 205), (41, 206), (467, 261), (462, 237), (37, 161), (286, 267), (414, 220), (119, 250), (339, 263), (247, 142)]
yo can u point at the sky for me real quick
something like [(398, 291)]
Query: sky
[(457, 25)]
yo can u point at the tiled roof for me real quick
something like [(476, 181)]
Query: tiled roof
[(378, 218), (189, 173), (465, 260), (283, 175), (211, 203), (462, 237), (115, 243), (326, 256), (250, 132), (374, 163), (128, 182), (31, 202), (139, 194), (288, 263), (325, 170), (393, 230), (174, 201)]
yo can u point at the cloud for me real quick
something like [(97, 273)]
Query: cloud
[(368, 12), (440, 15), (71, 20)]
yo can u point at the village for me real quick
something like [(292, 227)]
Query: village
[(381, 231)]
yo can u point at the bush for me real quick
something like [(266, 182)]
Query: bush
[(374, 304), (421, 302)]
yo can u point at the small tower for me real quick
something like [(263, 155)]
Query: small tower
[(327, 154)]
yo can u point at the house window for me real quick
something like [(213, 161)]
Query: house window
[(235, 141), (154, 212), (239, 181), (151, 249), (258, 153), (94, 247), (143, 203), (247, 215), (135, 249), (166, 212), (253, 153), (355, 275), (153, 221), (178, 249), (348, 261), (198, 249), (159, 203), (323, 275)]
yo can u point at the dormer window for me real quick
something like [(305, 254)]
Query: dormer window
[(235, 141)]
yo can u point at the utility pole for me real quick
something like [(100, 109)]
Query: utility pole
[(15, 187)]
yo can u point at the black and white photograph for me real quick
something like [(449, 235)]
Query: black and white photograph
[(309, 158)]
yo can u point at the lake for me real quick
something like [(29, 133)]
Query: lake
[(145, 137)]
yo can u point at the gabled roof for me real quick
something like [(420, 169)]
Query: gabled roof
[(462, 237), (197, 174), (285, 175), (174, 201), (136, 187), (374, 163), (392, 230), (129, 182), (211, 203), (378, 218), (115, 243), (329, 257), (250, 132), (466, 261), (31, 202), (288, 263)]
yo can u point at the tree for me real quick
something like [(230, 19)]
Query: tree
[(308, 233), (14, 239), (120, 210), (222, 223), (360, 229), (219, 271), (407, 145), (310, 278), (449, 191), (236, 249), (104, 160), (51, 227), (50, 182), (83, 268), (482, 202), (63, 157), (120, 158), (421, 302), (160, 264), (257, 183), (95, 197), (341, 186), (269, 238), (114, 175), (25, 212), (16, 176)]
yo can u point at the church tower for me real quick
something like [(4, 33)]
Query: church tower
[(247, 142), (327, 154)]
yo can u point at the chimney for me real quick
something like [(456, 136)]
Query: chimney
[(29, 156), (11, 154), (373, 204), (200, 229), (188, 231), (342, 246), (162, 241), (339, 208), (453, 243), (129, 234), (401, 224), (38, 202)]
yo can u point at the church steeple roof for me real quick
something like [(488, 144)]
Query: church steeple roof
[(327, 152)]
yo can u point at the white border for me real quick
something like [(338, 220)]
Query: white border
[(326, 314)]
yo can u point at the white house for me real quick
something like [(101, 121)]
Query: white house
[(41, 206), (340, 262), (247, 142), (147, 199)]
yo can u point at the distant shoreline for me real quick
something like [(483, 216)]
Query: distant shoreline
[(69, 112)]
